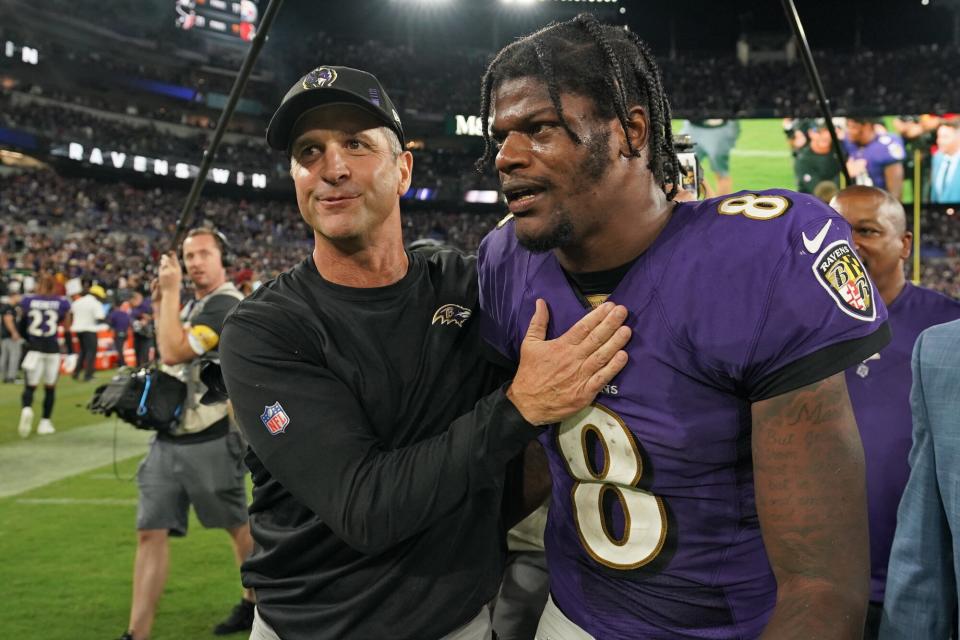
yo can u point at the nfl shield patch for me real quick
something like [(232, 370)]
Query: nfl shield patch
[(275, 419), (840, 272)]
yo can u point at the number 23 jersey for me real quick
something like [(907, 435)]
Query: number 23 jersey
[(653, 529)]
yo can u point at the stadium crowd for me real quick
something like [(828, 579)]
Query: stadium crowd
[(114, 233)]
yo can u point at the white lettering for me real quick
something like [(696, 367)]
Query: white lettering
[(468, 126), (96, 156), (139, 163), (240, 178), (160, 167), (259, 181), (75, 151), (9, 49), (216, 25), (181, 170), (118, 158), (220, 176), (30, 55)]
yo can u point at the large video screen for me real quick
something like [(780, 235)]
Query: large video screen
[(230, 19), (796, 153)]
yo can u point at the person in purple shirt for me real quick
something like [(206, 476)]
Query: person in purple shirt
[(43, 312), (119, 320), (880, 385), (875, 157), (141, 316), (716, 487)]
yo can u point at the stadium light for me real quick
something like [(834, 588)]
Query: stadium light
[(924, 2)]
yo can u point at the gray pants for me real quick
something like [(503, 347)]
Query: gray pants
[(477, 629), (10, 351), (523, 594)]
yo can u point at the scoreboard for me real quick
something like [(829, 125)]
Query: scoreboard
[(231, 19)]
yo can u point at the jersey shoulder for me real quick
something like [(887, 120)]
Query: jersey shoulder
[(757, 225)]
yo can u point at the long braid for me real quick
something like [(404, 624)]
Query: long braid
[(660, 112), (590, 23), (486, 87), (546, 64)]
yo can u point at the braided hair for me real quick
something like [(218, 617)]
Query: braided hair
[(611, 66)]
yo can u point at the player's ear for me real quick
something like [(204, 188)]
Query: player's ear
[(638, 130), (906, 245)]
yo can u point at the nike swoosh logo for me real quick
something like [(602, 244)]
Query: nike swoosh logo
[(814, 245)]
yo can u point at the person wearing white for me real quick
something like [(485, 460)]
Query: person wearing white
[(87, 313)]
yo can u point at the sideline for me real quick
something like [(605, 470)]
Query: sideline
[(40, 460)]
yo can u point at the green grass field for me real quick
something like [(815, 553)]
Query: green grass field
[(68, 546), (762, 160)]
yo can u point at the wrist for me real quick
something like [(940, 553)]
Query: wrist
[(523, 407)]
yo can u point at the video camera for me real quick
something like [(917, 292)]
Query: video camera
[(147, 398), (691, 173)]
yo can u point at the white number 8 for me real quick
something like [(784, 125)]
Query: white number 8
[(754, 207), (645, 518)]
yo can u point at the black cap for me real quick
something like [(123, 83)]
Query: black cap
[(331, 85)]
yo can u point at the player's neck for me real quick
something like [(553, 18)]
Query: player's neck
[(891, 287), (625, 233), (362, 263)]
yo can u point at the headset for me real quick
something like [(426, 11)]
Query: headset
[(227, 256)]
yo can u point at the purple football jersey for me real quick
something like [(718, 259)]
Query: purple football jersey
[(653, 530), (883, 150), (42, 315), (880, 393)]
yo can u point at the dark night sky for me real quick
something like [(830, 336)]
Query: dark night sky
[(696, 24)]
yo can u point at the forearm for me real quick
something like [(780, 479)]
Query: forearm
[(811, 609), (169, 329), (331, 461), (811, 500), (893, 175)]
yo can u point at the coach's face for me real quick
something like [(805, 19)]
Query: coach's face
[(557, 189), (348, 171)]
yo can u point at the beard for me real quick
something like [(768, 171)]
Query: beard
[(561, 231)]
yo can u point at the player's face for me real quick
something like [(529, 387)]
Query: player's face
[(859, 132), (347, 176), (876, 236), (555, 188), (201, 257)]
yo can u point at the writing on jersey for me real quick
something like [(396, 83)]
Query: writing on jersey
[(42, 315)]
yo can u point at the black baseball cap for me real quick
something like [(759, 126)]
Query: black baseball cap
[(331, 85)]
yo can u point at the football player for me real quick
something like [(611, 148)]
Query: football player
[(715, 489)]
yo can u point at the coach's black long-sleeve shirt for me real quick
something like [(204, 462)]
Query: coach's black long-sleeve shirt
[(377, 473)]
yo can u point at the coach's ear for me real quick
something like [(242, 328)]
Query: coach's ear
[(638, 129), (405, 167)]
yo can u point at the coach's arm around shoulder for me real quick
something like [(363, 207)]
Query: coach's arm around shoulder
[(313, 435), (811, 500), (172, 343)]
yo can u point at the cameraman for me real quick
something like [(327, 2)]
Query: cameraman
[(201, 463)]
